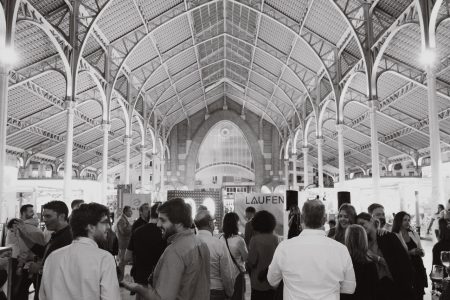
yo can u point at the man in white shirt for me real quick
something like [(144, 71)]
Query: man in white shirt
[(82, 270), (312, 265), (221, 266)]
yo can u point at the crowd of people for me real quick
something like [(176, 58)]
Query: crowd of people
[(177, 255)]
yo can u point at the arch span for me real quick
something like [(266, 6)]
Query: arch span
[(202, 131)]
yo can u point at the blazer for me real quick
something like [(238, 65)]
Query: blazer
[(399, 264)]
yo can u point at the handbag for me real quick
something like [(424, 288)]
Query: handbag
[(239, 285)]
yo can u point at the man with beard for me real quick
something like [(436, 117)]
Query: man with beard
[(82, 270), (182, 272), (393, 265), (22, 279), (54, 215), (377, 212)]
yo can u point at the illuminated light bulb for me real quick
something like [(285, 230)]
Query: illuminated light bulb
[(428, 57), (8, 56)]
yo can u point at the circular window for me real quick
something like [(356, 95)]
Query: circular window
[(225, 131)]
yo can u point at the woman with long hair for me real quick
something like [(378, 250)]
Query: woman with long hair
[(346, 217), (238, 252), (365, 269), (260, 253), (393, 264), (411, 242)]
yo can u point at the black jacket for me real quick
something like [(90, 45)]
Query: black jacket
[(399, 265)]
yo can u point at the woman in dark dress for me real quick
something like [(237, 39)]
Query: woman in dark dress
[(411, 242), (365, 269)]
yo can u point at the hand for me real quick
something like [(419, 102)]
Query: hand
[(131, 286), (34, 268), (435, 295), (415, 252), (19, 225), (6, 254), (381, 232)]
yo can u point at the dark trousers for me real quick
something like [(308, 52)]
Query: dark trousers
[(239, 287), (217, 295), (22, 286), (262, 295)]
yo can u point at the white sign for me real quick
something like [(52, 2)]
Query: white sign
[(273, 203)]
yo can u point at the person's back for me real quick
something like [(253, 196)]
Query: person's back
[(238, 249), (82, 270), (366, 282), (185, 264), (147, 245), (312, 265), (76, 271)]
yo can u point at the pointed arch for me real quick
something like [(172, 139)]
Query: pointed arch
[(201, 133)]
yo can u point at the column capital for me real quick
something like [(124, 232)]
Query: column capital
[(374, 104), (340, 127), (319, 141), (69, 104), (142, 147), (127, 139), (305, 149), (106, 125)]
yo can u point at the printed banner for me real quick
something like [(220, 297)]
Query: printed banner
[(274, 203)]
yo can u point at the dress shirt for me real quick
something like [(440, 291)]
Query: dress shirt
[(182, 272), (221, 265), (312, 266), (80, 271)]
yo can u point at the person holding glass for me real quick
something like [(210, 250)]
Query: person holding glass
[(411, 242), (346, 217)]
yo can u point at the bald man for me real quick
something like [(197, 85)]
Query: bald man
[(302, 261)]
